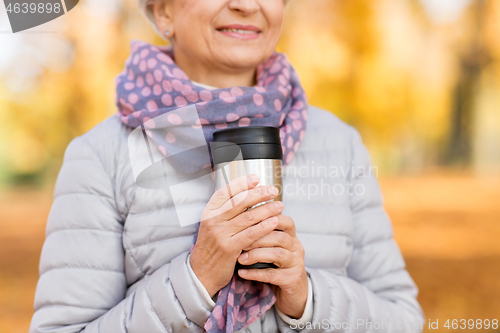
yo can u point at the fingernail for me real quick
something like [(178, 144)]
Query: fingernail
[(279, 204), (273, 220), (244, 256), (253, 179), (273, 190), (242, 271)]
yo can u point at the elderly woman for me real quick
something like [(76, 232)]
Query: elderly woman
[(116, 258)]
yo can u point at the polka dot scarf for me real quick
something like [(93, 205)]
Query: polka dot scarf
[(152, 85)]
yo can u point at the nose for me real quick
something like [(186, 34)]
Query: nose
[(245, 7)]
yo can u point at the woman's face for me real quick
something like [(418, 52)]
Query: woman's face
[(230, 34)]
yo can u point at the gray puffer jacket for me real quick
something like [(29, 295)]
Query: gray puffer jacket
[(114, 258)]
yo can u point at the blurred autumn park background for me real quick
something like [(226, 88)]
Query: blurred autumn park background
[(419, 79)]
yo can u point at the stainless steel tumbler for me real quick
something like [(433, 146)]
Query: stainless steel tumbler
[(244, 151)]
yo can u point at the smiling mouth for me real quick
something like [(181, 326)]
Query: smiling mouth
[(239, 31)]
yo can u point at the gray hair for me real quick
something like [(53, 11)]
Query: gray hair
[(147, 12)]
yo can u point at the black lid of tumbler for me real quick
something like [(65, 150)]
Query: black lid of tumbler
[(255, 142), (248, 135)]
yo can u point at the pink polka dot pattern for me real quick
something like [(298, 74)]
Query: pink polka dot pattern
[(296, 146), (139, 82), (192, 97), (232, 117), (297, 125), (238, 305), (158, 75), (167, 86), (131, 75), (146, 91), (236, 91), (177, 85), (170, 137), (227, 97), (258, 99), (254, 310), (164, 58), (180, 101), (133, 98), (129, 85), (167, 100), (179, 74), (282, 119), (242, 317), (162, 150), (244, 122), (186, 90), (283, 80), (144, 53), (304, 114), (142, 66), (157, 90), (149, 79), (283, 91), (277, 105), (175, 119), (152, 63), (294, 114), (299, 105), (152, 85), (152, 106), (275, 68), (206, 95)]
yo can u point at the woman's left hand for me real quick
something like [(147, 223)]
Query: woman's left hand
[(289, 281)]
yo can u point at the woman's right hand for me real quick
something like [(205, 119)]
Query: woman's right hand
[(227, 227)]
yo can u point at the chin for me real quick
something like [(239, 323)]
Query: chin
[(244, 57)]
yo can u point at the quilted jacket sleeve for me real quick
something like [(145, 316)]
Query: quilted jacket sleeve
[(82, 282), (378, 294)]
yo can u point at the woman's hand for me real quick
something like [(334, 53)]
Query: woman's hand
[(289, 280), (226, 228)]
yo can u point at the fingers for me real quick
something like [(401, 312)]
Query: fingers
[(234, 187), (244, 200), (274, 238), (251, 234), (279, 256), (286, 224), (291, 281), (273, 276), (254, 216)]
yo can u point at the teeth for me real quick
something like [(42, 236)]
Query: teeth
[(238, 31)]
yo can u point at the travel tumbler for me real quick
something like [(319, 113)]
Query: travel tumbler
[(244, 151)]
